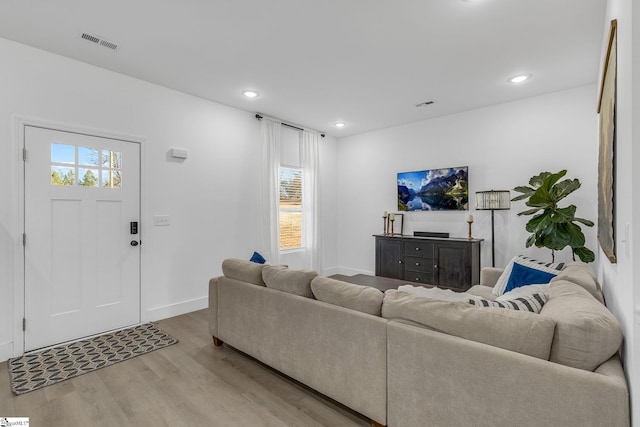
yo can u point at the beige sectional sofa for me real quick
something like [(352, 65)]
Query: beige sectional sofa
[(403, 360)]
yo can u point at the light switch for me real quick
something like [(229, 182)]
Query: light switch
[(161, 220)]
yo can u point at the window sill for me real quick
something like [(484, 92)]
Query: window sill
[(292, 251)]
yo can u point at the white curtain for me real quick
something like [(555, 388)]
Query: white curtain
[(270, 136), (309, 160)]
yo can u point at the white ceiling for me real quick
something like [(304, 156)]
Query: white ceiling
[(364, 62)]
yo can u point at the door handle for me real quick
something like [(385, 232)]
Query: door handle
[(134, 243)]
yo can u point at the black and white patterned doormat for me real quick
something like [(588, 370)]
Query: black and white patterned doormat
[(36, 370)]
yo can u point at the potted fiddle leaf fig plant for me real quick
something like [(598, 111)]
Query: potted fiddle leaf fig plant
[(552, 226)]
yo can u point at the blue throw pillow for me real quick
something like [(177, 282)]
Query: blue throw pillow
[(257, 258), (522, 275)]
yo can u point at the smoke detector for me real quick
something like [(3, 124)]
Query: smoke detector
[(99, 41)]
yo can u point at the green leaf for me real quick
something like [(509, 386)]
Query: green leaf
[(585, 254), (529, 211), (564, 214), (536, 181), (524, 189), (540, 199), (576, 237), (520, 197), (564, 188), (555, 237), (552, 179), (584, 221), (538, 222), (531, 240)]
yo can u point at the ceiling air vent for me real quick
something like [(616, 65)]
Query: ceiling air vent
[(100, 41)]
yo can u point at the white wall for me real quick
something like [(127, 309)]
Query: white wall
[(503, 146), (212, 197), (618, 280)]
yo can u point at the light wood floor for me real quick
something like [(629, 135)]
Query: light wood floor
[(192, 383)]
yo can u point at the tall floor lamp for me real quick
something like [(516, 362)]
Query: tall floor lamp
[(493, 200)]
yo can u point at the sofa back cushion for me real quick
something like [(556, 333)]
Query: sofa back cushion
[(355, 297), (587, 334), (244, 271), (523, 332), (297, 282), (581, 274)]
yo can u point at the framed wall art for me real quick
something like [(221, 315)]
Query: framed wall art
[(607, 150)]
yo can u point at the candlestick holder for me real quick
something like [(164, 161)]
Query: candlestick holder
[(384, 225), (470, 222), (392, 221)]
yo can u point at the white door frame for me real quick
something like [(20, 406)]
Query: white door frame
[(20, 122)]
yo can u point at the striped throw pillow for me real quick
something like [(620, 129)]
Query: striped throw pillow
[(501, 284), (532, 303)]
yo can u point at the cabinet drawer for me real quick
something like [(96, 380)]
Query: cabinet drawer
[(418, 277), (420, 249), (415, 263)]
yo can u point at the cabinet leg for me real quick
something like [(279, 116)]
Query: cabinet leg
[(217, 341), (376, 424)]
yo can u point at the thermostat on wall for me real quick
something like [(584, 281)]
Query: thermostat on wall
[(178, 153)]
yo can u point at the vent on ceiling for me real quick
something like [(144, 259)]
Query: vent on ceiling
[(424, 104), (99, 41)]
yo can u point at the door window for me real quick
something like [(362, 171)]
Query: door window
[(85, 166)]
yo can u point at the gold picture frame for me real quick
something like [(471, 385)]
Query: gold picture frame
[(606, 149)]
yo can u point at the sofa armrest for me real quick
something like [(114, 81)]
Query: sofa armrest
[(490, 275), (452, 381)]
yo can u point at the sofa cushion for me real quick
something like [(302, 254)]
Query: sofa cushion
[(522, 271), (482, 291), (581, 274), (242, 270), (355, 297), (587, 334), (519, 331), (532, 303), (297, 282), (524, 291), (435, 293)]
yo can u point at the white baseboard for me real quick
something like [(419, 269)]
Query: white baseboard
[(6, 351), (171, 310), (346, 271)]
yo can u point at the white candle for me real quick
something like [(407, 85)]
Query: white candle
[(470, 218), (384, 214), (392, 216)]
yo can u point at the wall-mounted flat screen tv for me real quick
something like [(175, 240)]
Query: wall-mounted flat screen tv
[(434, 190)]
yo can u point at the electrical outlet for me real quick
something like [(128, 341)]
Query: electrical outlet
[(161, 220)]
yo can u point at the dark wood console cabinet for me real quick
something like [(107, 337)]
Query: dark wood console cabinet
[(447, 263)]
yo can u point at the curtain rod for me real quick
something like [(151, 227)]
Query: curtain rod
[(260, 117)]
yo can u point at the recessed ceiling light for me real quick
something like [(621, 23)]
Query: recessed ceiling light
[(339, 125), (250, 93), (519, 78)]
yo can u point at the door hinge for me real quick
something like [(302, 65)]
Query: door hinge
[(24, 324), (24, 239), (24, 154)]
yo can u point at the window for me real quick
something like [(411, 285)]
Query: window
[(85, 167), (290, 208)]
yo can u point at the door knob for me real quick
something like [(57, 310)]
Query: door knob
[(134, 243)]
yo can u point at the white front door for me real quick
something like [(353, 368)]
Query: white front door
[(82, 261)]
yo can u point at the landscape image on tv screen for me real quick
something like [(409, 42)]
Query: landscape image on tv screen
[(434, 190)]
